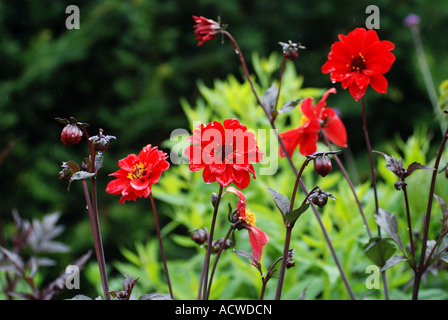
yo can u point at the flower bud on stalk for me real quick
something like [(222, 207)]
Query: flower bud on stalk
[(71, 134), (322, 165)]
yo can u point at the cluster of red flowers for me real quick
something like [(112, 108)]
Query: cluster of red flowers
[(226, 151)]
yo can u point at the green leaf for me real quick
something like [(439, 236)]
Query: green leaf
[(80, 175), (293, 215), (281, 201), (380, 250), (396, 259), (389, 223), (270, 97), (289, 105)]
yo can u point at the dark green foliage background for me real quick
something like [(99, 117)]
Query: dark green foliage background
[(128, 65)]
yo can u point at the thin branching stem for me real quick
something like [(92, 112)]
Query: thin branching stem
[(203, 284), (420, 268), (375, 192), (162, 251)]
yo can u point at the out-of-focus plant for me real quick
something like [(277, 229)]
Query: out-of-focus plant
[(26, 252)]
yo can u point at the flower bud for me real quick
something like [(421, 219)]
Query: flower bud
[(71, 134), (101, 142), (291, 50), (322, 165), (199, 236), (320, 198)]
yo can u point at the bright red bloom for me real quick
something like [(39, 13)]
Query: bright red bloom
[(360, 59), (257, 237), (138, 173), (205, 29), (314, 119), (225, 151)]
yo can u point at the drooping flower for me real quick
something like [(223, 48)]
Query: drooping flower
[(205, 29), (225, 152), (137, 174), (314, 119), (257, 237), (359, 59)]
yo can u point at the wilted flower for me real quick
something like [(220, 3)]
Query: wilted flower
[(314, 119), (257, 237), (137, 174), (206, 29), (359, 59)]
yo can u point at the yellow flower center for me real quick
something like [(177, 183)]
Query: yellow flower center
[(303, 120), (250, 218), (138, 171)]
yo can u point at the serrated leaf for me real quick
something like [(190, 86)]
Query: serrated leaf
[(380, 250), (293, 215), (281, 201)]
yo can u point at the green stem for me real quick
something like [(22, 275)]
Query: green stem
[(162, 251)]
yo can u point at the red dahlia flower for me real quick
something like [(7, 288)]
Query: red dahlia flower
[(225, 151), (206, 29), (257, 237), (314, 119), (360, 59), (138, 173)]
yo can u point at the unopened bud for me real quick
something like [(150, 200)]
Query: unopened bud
[(71, 134), (322, 165), (320, 198), (199, 236)]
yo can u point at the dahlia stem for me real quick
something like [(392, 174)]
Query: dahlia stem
[(162, 251), (280, 82), (352, 188), (372, 169), (289, 227), (97, 240), (221, 248), (408, 216), (281, 276), (420, 268), (205, 267), (291, 163)]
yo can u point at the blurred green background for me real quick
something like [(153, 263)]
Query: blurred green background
[(131, 62)]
